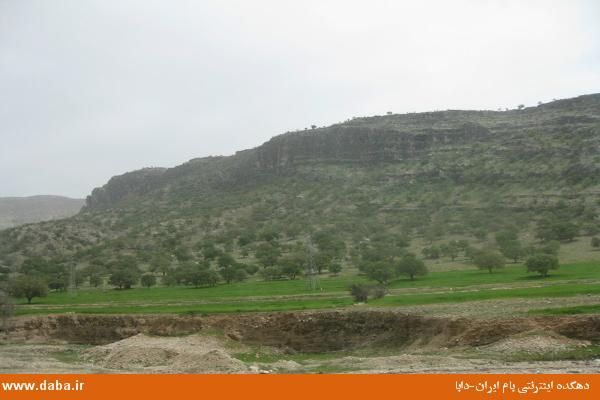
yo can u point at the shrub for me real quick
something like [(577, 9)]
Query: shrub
[(541, 263), (361, 292)]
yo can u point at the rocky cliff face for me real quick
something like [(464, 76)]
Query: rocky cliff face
[(560, 140)]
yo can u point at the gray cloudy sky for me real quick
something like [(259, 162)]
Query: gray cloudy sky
[(90, 89)]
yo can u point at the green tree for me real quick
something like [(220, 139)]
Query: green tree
[(451, 249), (233, 273), (29, 287), (490, 260), (380, 271), (271, 273), (512, 249), (148, 280), (335, 268), (411, 266), (292, 264), (123, 279), (431, 252), (210, 251), (225, 260), (96, 280), (542, 263), (551, 247), (557, 230), (267, 254)]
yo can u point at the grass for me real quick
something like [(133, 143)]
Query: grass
[(68, 355), (329, 285), (323, 303), (589, 309), (186, 293), (256, 296), (254, 357), (214, 308), (559, 290), (510, 275)]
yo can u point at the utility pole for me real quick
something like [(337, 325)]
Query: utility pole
[(311, 275)]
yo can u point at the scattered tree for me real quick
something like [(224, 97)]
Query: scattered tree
[(148, 280), (271, 273), (96, 280), (233, 273), (411, 266), (29, 287), (267, 254), (489, 260), (381, 271), (512, 249), (293, 264), (432, 252), (335, 268), (123, 279)]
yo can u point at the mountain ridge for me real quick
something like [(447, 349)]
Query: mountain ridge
[(16, 211), (428, 177)]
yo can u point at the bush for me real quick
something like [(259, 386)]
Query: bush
[(541, 263), (361, 292), (595, 242)]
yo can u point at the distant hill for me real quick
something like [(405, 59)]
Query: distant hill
[(16, 211), (425, 178)]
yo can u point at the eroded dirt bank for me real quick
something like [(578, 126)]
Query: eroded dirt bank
[(316, 341), (302, 331)]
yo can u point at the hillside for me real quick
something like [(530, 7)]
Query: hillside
[(16, 211), (396, 180)]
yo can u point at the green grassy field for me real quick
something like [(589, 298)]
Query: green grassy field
[(590, 309), (513, 275), (253, 296)]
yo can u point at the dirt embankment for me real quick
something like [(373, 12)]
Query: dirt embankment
[(302, 331)]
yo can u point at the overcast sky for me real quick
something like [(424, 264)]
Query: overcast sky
[(91, 89)]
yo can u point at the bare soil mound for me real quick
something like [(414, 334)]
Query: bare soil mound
[(534, 342), (196, 353)]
